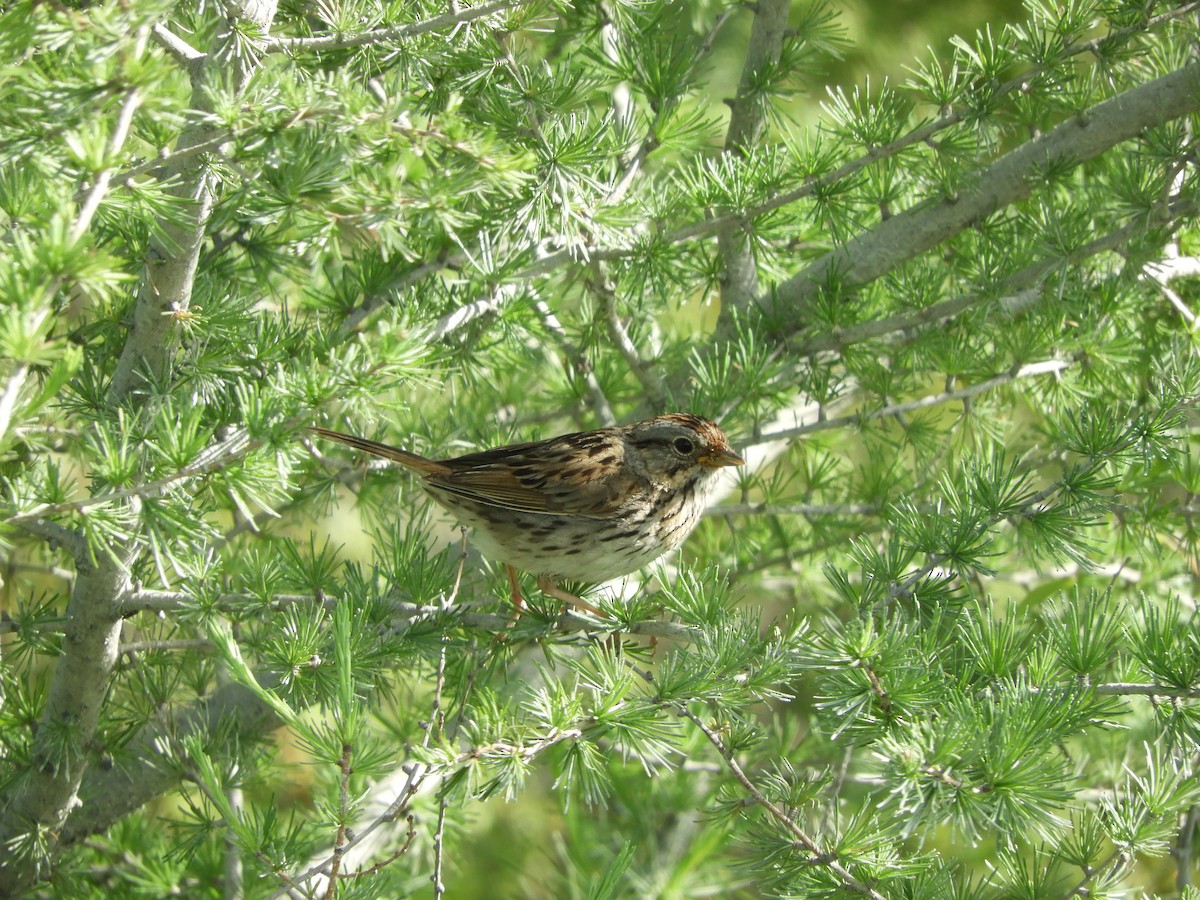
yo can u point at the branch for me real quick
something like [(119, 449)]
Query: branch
[(132, 648), (448, 324), (133, 99), (1018, 292), (183, 52), (548, 262), (394, 34), (922, 133), (551, 261), (1050, 366), (38, 806), (500, 295), (343, 814), (405, 614), (165, 291), (820, 856), (415, 775), (1090, 875), (1034, 501), (38, 809), (747, 118), (1008, 180), (578, 363), (1128, 689), (172, 158), (208, 460), (228, 719), (58, 536), (808, 510), (643, 370), (12, 390)]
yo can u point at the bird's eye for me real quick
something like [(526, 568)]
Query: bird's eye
[(683, 445)]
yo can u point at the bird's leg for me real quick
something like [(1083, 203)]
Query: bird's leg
[(518, 601), (550, 589)]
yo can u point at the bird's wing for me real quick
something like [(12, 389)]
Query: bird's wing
[(576, 475)]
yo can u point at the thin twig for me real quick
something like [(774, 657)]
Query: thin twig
[(436, 726), (339, 842), (208, 460), (1128, 689), (1090, 875), (498, 298), (808, 510), (1033, 502), (820, 856), (391, 35), (419, 773), (133, 99), (374, 868), (405, 613), (1018, 292), (578, 363), (132, 647), (1050, 366), (16, 381), (643, 370), (1157, 276), (182, 153), (439, 835)]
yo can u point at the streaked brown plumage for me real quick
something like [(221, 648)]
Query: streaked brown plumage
[(589, 506)]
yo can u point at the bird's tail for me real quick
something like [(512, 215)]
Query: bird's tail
[(409, 460)]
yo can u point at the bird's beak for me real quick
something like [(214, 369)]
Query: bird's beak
[(715, 459)]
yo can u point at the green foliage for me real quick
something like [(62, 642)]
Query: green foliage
[(939, 638)]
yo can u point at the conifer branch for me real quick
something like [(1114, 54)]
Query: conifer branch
[(748, 115), (594, 160), (405, 613), (578, 365), (1129, 689), (1013, 177), (395, 34), (643, 370), (731, 221), (419, 773), (216, 456), (820, 856), (1029, 370), (921, 134), (165, 292), (808, 510), (37, 810), (1019, 292), (133, 99), (1094, 874), (57, 535), (340, 840), (183, 52), (11, 394), (1033, 502)]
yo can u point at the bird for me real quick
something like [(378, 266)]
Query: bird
[(588, 507)]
